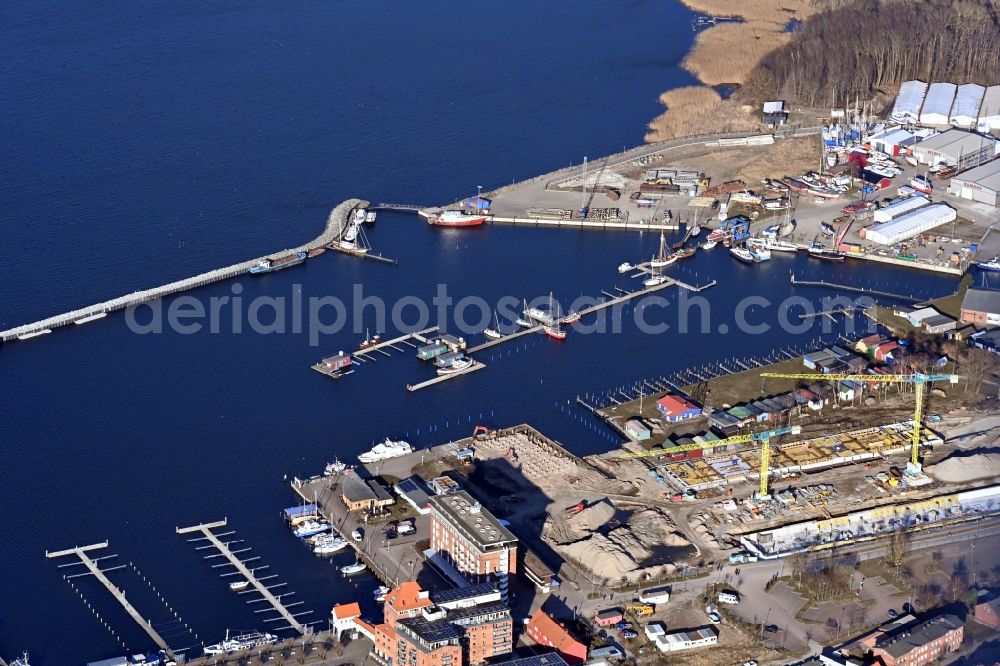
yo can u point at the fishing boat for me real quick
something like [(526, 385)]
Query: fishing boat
[(991, 265), (350, 569), (683, 254), (369, 341), (663, 257), (335, 467), (625, 268), (554, 330), (655, 280), (244, 641), (742, 254), (315, 252), (709, 244), (455, 218), (456, 366), (239, 585), (817, 251), (921, 184), (281, 263)]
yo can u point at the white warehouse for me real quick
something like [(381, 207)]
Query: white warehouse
[(937, 104), (906, 111), (965, 109), (911, 224), (981, 184), (955, 147), (894, 210), (989, 111)]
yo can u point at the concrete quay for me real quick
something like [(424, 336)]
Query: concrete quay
[(336, 221)]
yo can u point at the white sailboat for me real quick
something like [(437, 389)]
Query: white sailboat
[(663, 258), (495, 331)]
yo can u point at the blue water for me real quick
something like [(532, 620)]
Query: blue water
[(147, 142)]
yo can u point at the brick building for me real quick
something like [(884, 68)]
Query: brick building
[(472, 540), (545, 631), (468, 627), (920, 644)]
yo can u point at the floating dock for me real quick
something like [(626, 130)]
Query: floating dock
[(476, 365), (334, 227), (81, 552), (205, 529)]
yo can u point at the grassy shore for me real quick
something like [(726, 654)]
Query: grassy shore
[(725, 53)]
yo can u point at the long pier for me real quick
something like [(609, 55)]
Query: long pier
[(206, 530), (335, 223), (116, 592), (862, 290)]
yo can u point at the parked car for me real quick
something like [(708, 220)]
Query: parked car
[(715, 617), (629, 634), (892, 614), (771, 629)]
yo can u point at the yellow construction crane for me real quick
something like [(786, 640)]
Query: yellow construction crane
[(918, 380), (764, 437)]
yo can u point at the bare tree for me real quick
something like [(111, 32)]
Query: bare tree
[(899, 547), (978, 365)]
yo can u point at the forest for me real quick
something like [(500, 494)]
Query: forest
[(861, 48)]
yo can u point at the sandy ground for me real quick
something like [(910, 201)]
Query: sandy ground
[(958, 468)]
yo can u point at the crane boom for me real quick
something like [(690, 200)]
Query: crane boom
[(919, 380)]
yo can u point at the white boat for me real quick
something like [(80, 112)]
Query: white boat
[(239, 585), (991, 265), (911, 160), (780, 246), (523, 323), (311, 528), (351, 233), (385, 450), (356, 567), (21, 661), (695, 230), (539, 315), (359, 216), (494, 332), (663, 258), (743, 254), (335, 467), (709, 244), (655, 280), (370, 217), (380, 592), (457, 366), (758, 250), (625, 268), (330, 545), (571, 318), (244, 641)]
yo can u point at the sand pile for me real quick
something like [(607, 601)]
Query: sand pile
[(955, 469), (593, 517), (593, 540)]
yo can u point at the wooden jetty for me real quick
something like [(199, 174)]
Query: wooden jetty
[(476, 365), (248, 574), (335, 224), (81, 552), (862, 290)]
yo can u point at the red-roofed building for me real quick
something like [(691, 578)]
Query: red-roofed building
[(343, 616), (676, 408), (405, 601), (545, 631), (884, 351)]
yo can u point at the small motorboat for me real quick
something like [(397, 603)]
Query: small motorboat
[(523, 323), (370, 217), (311, 528), (655, 280), (335, 467), (329, 546), (239, 585), (351, 569), (991, 265), (743, 255), (625, 267), (825, 254), (709, 244), (457, 366), (571, 318), (380, 592)]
